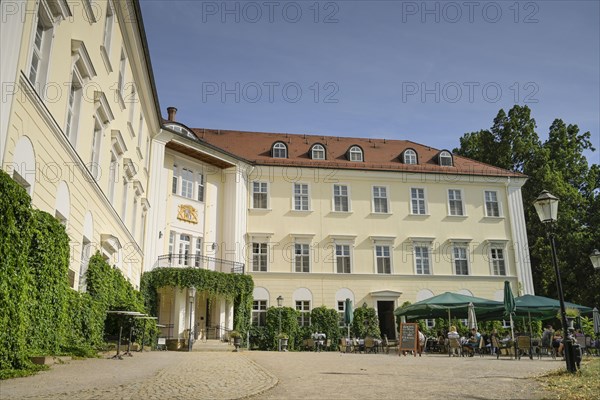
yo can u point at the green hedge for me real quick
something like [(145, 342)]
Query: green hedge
[(39, 313)]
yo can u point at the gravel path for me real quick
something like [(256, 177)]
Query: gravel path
[(273, 375)]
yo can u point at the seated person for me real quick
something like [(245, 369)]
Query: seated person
[(453, 334), (473, 342), (557, 343)]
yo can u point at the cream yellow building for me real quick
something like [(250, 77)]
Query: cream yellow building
[(314, 219), (78, 112)]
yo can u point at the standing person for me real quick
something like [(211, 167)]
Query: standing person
[(422, 341)]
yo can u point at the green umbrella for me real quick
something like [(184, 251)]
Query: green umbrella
[(509, 305), (442, 305)]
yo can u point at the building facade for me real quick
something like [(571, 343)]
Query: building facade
[(314, 219)]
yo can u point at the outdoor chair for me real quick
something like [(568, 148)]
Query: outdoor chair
[(580, 340), (369, 345), (546, 347), (387, 344), (310, 344), (502, 348), (344, 348), (454, 347), (524, 346)]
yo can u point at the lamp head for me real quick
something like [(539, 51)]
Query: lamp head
[(546, 206), (595, 258), (280, 301), (192, 292)]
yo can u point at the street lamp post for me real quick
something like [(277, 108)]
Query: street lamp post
[(192, 294), (546, 206), (279, 305)]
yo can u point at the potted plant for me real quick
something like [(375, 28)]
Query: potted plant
[(237, 339), (571, 313), (282, 339)]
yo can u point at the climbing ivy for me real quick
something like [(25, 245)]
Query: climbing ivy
[(234, 287)]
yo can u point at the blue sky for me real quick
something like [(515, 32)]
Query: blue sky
[(422, 71)]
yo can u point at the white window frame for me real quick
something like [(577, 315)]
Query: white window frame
[(121, 77), (355, 154), (175, 181), (336, 255), (341, 308), (493, 252), (124, 199), (263, 190), (198, 252), (419, 257), (387, 199), (424, 199), (40, 54), (341, 196), (382, 256), (74, 100), (109, 18), (277, 150), (451, 200), (301, 196), (96, 147), (201, 187), (172, 241), (261, 254), (317, 152), (303, 255), (409, 157), (187, 185), (259, 311), (134, 216), (113, 173), (184, 249), (498, 201), (461, 246), (445, 155), (304, 307)]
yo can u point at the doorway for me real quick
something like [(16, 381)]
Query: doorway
[(387, 323)]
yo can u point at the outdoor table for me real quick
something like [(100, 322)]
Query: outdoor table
[(122, 314), (319, 340)]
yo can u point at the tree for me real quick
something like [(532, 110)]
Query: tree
[(559, 166)]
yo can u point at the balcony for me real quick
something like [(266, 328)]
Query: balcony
[(200, 262)]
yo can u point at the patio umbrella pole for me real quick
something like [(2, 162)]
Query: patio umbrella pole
[(512, 331)]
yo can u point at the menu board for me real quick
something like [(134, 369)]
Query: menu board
[(409, 337)]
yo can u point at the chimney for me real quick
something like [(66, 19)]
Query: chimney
[(171, 111)]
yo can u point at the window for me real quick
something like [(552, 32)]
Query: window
[(318, 152), (40, 57), (301, 197), (96, 144), (112, 177), (445, 159), (492, 205), (86, 249), (108, 27), (355, 154), (497, 259), (259, 195), (341, 307), (279, 150), (200, 187), (259, 257), (140, 133), (124, 200), (259, 312), (304, 307), (384, 260), (455, 203), (342, 258), (422, 258), (198, 255), (175, 180), (340, 198), (410, 156), (171, 242), (73, 107), (380, 199), (121, 81), (187, 183), (301, 257), (461, 259), (184, 249), (417, 197), (134, 215)]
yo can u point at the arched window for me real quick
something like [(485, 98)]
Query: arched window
[(317, 152), (409, 156), (279, 150), (445, 158), (355, 154)]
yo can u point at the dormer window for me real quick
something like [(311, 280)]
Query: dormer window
[(445, 158), (409, 156), (317, 152), (279, 150), (355, 154)]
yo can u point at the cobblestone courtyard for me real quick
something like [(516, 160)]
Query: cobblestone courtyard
[(272, 375)]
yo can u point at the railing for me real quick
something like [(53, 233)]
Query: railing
[(199, 261)]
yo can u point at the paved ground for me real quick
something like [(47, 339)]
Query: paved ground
[(272, 375)]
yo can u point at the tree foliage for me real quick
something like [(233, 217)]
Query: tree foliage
[(559, 166)]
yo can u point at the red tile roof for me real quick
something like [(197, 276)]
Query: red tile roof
[(379, 154)]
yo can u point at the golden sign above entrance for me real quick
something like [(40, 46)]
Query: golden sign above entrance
[(187, 213)]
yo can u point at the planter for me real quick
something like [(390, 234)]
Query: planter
[(570, 321), (283, 344), (237, 342)]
